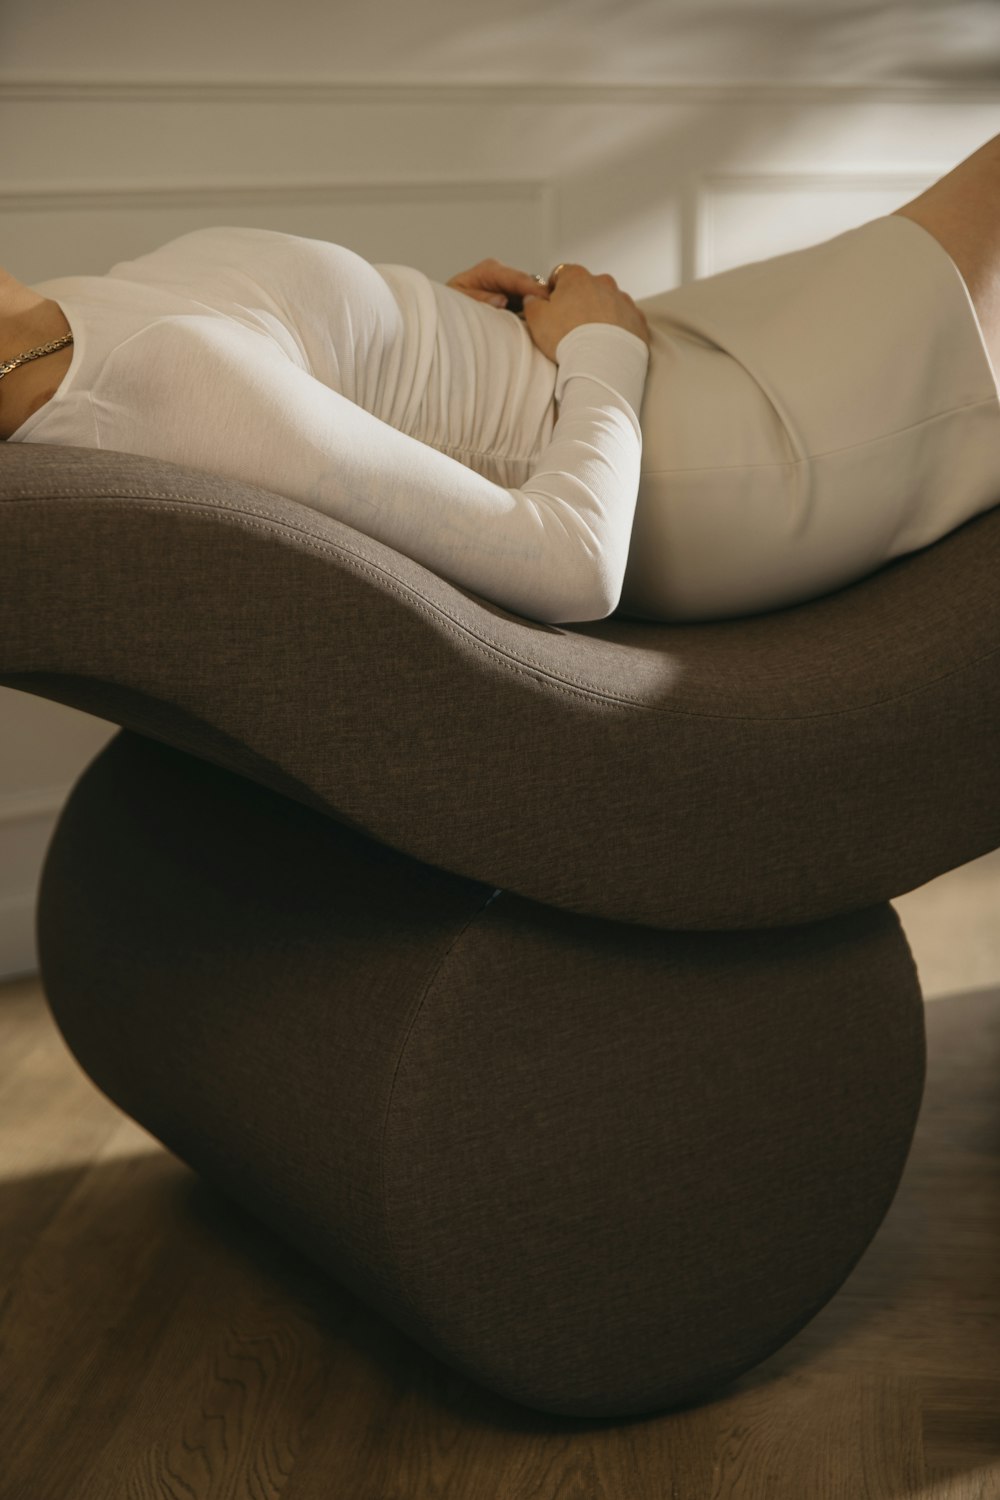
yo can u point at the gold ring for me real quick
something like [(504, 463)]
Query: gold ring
[(540, 279), (553, 274)]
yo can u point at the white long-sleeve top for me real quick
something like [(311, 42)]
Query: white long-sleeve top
[(413, 413)]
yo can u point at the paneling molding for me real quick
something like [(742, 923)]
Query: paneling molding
[(218, 194), (380, 92), (838, 180), (706, 192)]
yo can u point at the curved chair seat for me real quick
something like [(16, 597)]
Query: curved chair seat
[(539, 981)]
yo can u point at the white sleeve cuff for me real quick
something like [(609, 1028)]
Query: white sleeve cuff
[(607, 354)]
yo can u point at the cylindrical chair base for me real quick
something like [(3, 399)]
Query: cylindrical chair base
[(599, 1168)]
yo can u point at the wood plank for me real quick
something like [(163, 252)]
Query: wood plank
[(156, 1341)]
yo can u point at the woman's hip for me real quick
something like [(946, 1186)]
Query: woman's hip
[(805, 419), (713, 543)]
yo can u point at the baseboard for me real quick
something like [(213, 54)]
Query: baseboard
[(18, 951)]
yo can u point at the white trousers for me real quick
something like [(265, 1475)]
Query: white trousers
[(807, 419)]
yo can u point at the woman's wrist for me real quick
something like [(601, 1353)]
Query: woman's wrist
[(607, 353)]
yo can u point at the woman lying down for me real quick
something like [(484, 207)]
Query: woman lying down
[(750, 440)]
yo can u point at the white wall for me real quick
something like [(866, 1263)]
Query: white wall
[(658, 140), (954, 42)]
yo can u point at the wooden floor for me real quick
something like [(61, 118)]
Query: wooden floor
[(155, 1342)]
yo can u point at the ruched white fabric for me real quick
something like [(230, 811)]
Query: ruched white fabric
[(401, 406)]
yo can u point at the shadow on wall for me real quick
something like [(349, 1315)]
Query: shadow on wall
[(629, 178), (698, 41)]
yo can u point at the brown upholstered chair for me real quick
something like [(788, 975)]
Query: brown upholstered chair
[(539, 982)]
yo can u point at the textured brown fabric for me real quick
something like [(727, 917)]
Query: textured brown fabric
[(218, 959), (600, 1169), (745, 773)]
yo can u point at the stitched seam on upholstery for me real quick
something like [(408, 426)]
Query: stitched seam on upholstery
[(483, 644), (401, 1054)]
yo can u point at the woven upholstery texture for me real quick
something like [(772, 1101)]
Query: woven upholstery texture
[(756, 772), (597, 1168)]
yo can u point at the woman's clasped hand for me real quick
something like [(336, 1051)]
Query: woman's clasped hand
[(552, 310)]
